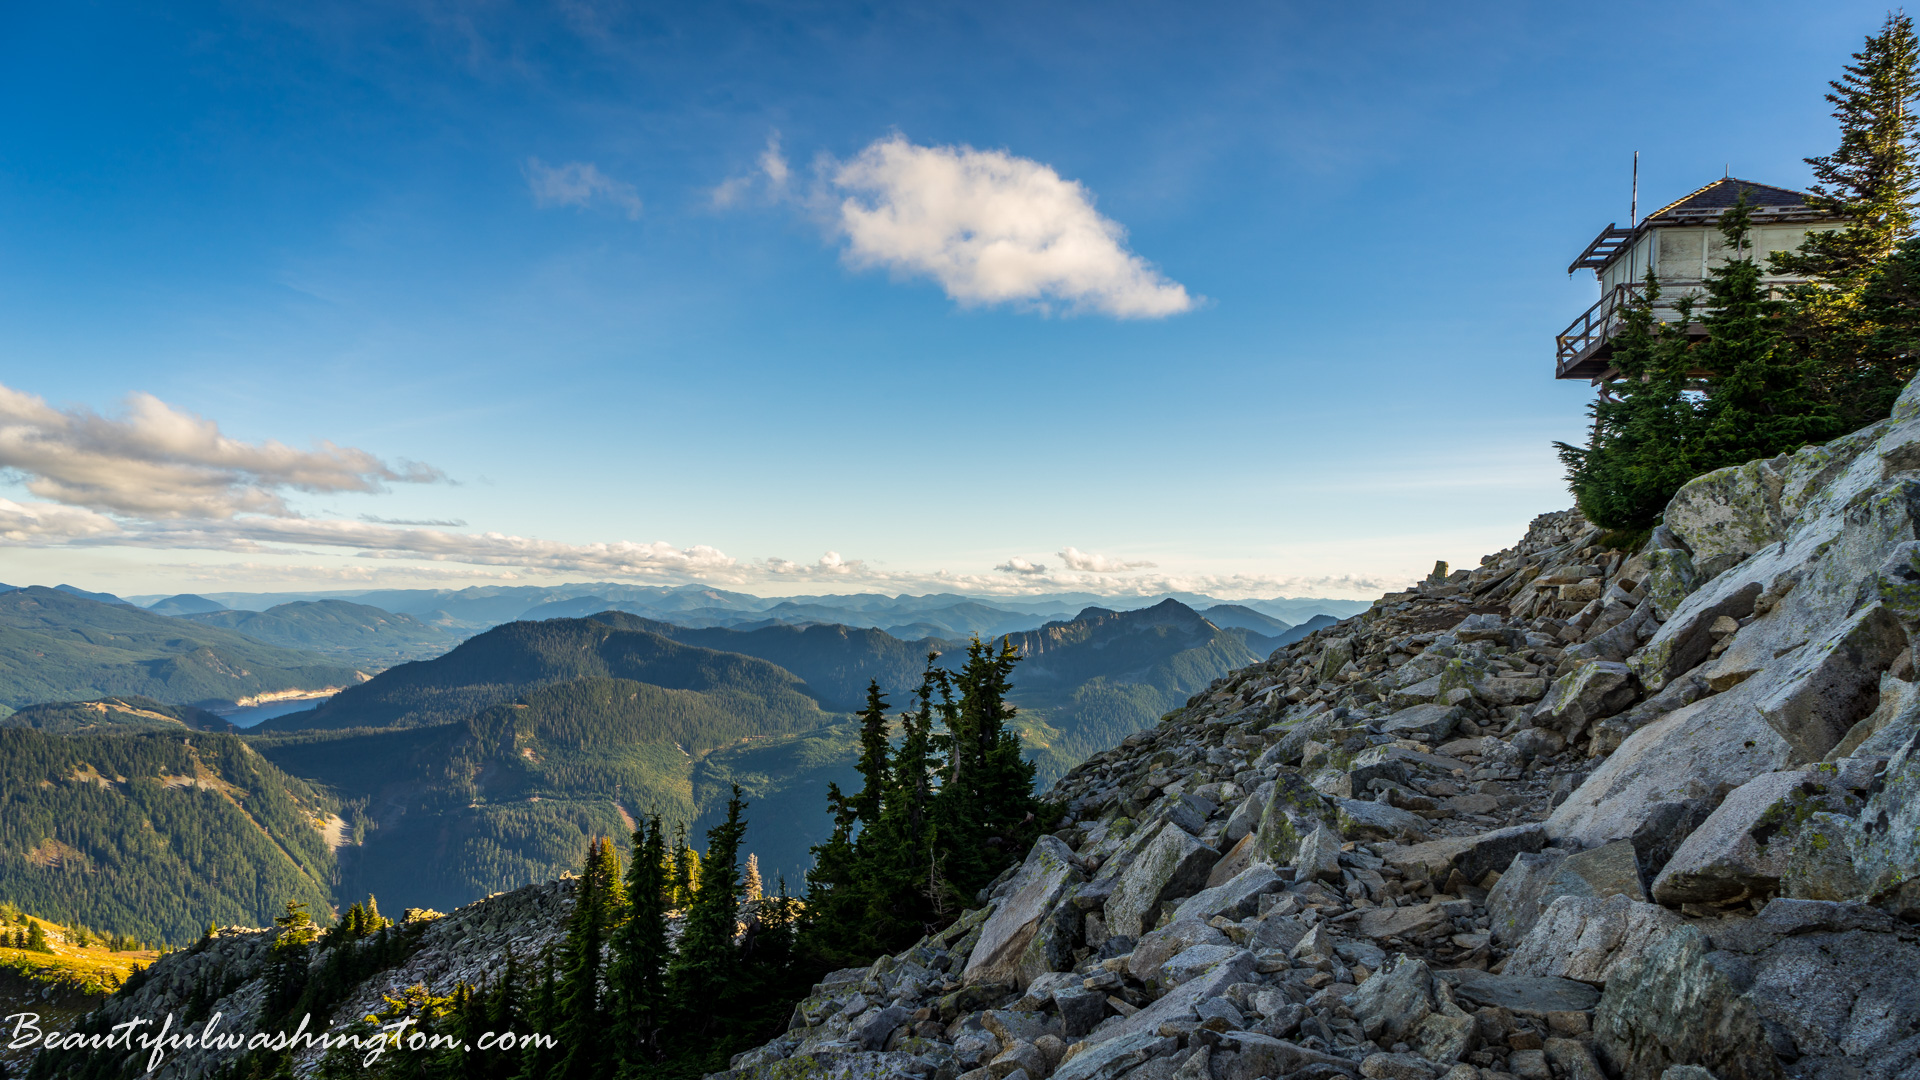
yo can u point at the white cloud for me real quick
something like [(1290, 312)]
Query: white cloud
[(579, 183), (772, 175), (831, 564), (42, 523), (159, 462), (618, 558), (435, 523), (1090, 563), (993, 228), (1018, 565)]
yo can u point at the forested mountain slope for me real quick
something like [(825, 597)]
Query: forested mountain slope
[(115, 715), (835, 661), (509, 660), (57, 646), (154, 834), (511, 794)]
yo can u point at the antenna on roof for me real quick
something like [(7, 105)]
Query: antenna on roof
[(1633, 215)]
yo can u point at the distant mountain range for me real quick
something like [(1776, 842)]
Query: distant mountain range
[(56, 645), (948, 615), (358, 632)]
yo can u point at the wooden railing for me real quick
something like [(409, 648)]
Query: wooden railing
[(1594, 327)]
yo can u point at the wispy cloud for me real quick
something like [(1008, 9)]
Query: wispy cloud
[(158, 478), (768, 179), (993, 228), (156, 461), (41, 523), (581, 184), (1090, 563), (432, 523)]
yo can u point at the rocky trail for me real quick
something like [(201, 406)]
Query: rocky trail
[(1576, 813)]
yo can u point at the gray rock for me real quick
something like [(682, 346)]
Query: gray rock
[(1021, 1058), (1673, 1006), (832, 1065), (873, 1028), (1391, 1003), (1590, 692), (1293, 807), (1572, 1060), (1248, 1055), (1516, 900), (1671, 577), (1743, 847), (1837, 986), (1246, 816), (1589, 939), (1869, 854), (1178, 1003), (1038, 888), (1528, 995), (1192, 962), (1319, 858), (1408, 923), (1080, 1010), (1237, 898), (1220, 1009), (1156, 948), (1396, 1067), (1534, 881), (1112, 1057), (1364, 819), (1472, 855), (1428, 723), (1172, 865)]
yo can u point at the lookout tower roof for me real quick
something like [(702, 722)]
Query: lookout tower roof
[(1701, 206)]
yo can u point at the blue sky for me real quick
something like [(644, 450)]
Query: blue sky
[(523, 267)]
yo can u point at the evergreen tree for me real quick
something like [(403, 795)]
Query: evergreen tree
[(986, 807), (1870, 181), (287, 959), (543, 1014), (36, 939), (686, 870), (706, 964), (1891, 306), (872, 765), (636, 977), (755, 888), (1646, 426), (582, 1029), (1758, 404)]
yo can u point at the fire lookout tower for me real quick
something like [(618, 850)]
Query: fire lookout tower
[(1681, 243)]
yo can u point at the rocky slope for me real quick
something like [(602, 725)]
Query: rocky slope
[(1575, 813)]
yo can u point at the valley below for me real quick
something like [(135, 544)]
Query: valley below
[(443, 765)]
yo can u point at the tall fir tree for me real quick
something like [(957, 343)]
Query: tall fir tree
[(1870, 181), (986, 807), (707, 961), (287, 959), (582, 1029), (754, 886), (636, 977), (543, 1016), (1758, 403)]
